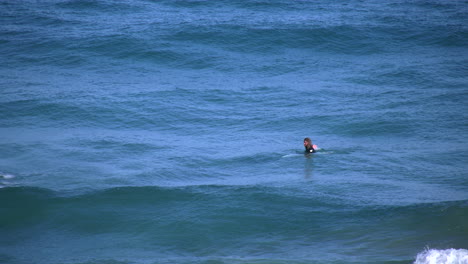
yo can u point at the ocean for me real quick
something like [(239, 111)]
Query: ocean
[(171, 131)]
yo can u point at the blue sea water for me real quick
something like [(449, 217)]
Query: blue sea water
[(171, 131)]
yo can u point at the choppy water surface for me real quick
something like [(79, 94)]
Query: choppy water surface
[(171, 131)]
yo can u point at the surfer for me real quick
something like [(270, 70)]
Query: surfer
[(309, 147)]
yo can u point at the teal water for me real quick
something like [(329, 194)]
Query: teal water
[(171, 131)]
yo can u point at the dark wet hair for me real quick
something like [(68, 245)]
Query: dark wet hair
[(308, 140)]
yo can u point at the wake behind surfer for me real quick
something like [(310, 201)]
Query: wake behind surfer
[(309, 147)]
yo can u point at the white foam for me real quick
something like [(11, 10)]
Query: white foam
[(445, 256), (292, 155), (6, 176)]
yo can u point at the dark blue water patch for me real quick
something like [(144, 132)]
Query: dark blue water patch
[(255, 5), (26, 48), (220, 219), (103, 206), (277, 37), (25, 206), (184, 60), (30, 110), (454, 37), (443, 7), (132, 111), (213, 107), (270, 6), (125, 153), (452, 97), (445, 218), (209, 197), (447, 36), (111, 144), (405, 76), (368, 126), (109, 6), (64, 113), (51, 57), (11, 33), (410, 74), (127, 48), (363, 38), (237, 162), (163, 43), (190, 4), (47, 38), (37, 19)]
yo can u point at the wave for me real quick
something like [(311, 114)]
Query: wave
[(73, 112), (256, 222), (216, 197), (101, 6), (193, 42), (442, 256), (214, 107)]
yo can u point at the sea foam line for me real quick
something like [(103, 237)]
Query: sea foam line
[(445, 256)]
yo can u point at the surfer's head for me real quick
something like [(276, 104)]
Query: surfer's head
[(307, 142)]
